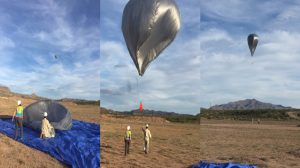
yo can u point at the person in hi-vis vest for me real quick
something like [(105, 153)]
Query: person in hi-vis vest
[(18, 117), (127, 140)]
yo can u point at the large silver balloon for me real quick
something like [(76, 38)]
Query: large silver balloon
[(149, 26), (252, 42)]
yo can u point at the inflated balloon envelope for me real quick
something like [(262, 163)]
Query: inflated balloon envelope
[(252, 42), (149, 26), (58, 115)]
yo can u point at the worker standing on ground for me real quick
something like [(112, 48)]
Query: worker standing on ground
[(18, 116), (147, 137), (127, 140), (47, 131)]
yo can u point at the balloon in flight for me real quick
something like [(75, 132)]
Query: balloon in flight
[(252, 42), (149, 26)]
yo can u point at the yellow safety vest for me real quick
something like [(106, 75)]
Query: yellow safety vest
[(19, 112), (128, 135)]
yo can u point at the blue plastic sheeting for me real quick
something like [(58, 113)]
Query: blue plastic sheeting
[(77, 147), (223, 165)]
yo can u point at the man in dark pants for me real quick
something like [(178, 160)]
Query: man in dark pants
[(127, 140), (18, 116)]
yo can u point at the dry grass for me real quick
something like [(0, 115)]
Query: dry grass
[(270, 144), (172, 145), (15, 154), (89, 113)]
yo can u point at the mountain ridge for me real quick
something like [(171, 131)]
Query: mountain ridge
[(247, 104)]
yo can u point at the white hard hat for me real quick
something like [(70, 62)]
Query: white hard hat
[(19, 102), (128, 127), (147, 125), (45, 114)]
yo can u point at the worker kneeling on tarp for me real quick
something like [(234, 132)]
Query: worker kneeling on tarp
[(47, 130)]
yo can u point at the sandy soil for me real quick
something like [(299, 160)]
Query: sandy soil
[(270, 144), (15, 154), (172, 145)]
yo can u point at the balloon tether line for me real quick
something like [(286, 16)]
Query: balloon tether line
[(138, 89)]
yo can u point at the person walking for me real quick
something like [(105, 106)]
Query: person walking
[(147, 137), (18, 117), (127, 140)]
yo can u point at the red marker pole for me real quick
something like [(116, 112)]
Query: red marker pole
[(141, 107)]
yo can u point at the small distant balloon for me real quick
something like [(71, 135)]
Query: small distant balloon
[(148, 28), (252, 42)]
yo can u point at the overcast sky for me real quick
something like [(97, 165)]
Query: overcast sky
[(209, 62), (33, 32), (170, 83)]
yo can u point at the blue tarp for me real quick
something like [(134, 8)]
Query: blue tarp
[(223, 165), (77, 147)]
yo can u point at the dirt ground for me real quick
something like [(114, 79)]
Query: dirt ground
[(270, 144), (15, 154), (172, 145)]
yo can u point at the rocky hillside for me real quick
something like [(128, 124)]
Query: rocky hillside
[(248, 104), (4, 91)]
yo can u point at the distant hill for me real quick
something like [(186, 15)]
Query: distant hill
[(81, 101), (250, 109), (170, 116), (147, 112), (247, 104), (6, 92), (4, 89)]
